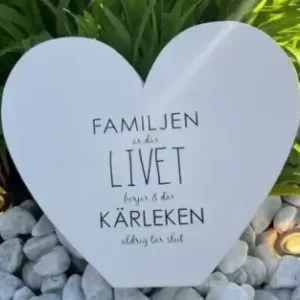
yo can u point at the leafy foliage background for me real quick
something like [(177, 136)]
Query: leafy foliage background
[(139, 29)]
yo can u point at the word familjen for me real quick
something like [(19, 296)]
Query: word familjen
[(142, 123)]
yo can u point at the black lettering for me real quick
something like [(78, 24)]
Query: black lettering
[(179, 162), (149, 124), (165, 124), (133, 123), (134, 218), (95, 125), (145, 220), (143, 123), (167, 217), (111, 172), (157, 162), (146, 176), (180, 216), (155, 217), (173, 120), (120, 219), (130, 167), (194, 121), (102, 220), (200, 218), (110, 125)]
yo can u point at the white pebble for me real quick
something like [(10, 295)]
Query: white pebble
[(71, 249), (296, 293), (184, 294), (266, 253), (16, 221), (32, 207), (248, 236), (165, 294), (146, 290), (235, 258), (24, 293), (230, 291), (8, 285), (51, 296), (284, 219), (249, 291), (239, 276), (54, 283), (94, 286), (266, 213), (43, 227), (264, 295), (36, 247), (30, 278), (287, 274), (72, 289), (11, 255), (267, 237), (294, 200), (129, 294), (256, 271), (54, 263), (282, 294), (212, 281)]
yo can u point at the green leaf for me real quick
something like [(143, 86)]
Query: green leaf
[(134, 11), (296, 146), (11, 30), (283, 190), (146, 17), (63, 4), (62, 23), (197, 8), (119, 27), (112, 31), (91, 27), (9, 14), (279, 23), (25, 44)]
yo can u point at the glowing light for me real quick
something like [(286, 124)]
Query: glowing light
[(292, 244), (288, 243), (5, 203)]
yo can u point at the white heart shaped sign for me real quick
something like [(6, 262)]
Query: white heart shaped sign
[(153, 182)]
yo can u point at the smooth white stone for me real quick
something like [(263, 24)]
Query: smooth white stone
[(11, 255), (16, 221), (129, 294), (285, 218), (256, 271), (43, 227), (54, 263), (265, 214), (235, 258), (211, 281), (30, 278), (249, 291), (36, 247), (8, 285), (287, 274), (53, 284), (94, 286), (72, 289), (229, 291), (24, 293)]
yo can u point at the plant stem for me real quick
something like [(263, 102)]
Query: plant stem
[(285, 191)]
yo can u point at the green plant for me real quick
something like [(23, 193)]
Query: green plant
[(281, 20), (139, 29)]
